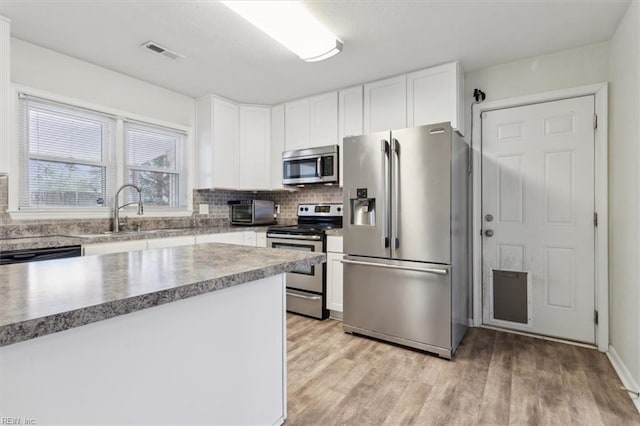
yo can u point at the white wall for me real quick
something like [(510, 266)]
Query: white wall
[(559, 70), (624, 187), (49, 71)]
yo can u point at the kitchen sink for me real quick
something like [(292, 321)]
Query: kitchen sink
[(142, 232)]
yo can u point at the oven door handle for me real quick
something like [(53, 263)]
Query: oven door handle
[(295, 237), (302, 296)]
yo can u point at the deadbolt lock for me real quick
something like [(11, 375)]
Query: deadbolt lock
[(488, 218)]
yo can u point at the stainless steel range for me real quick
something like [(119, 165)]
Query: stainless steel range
[(307, 287)]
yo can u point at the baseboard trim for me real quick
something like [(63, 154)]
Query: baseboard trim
[(625, 376), (539, 336)]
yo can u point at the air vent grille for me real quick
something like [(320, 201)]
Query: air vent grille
[(158, 48)]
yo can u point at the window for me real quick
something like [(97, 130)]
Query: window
[(73, 159), (66, 155), (153, 158)]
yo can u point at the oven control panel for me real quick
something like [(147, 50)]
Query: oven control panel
[(320, 209)]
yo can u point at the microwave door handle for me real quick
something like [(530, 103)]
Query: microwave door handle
[(319, 167)]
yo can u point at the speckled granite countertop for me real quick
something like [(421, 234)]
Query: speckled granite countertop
[(41, 298), (335, 232), (71, 240)]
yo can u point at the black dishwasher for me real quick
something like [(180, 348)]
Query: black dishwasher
[(34, 255)]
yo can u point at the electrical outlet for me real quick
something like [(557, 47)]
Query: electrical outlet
[(203, 208)]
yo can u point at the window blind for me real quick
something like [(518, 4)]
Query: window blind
[(66, 155), (153, 158)]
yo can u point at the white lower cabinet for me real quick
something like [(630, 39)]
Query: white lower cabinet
[(334, 281), (117, 247), (249, 238), (224, 237), (246, 238), (171, 242), (261, 239), (334, 273)]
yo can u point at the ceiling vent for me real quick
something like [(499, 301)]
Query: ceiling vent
[(158, 48)]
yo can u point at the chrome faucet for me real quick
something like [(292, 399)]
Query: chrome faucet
[(116, 214)]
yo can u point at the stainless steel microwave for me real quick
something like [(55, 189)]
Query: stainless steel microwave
[(313, 165), (251, 212)]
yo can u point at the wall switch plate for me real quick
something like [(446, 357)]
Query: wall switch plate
[(203, 208), (277, 208)]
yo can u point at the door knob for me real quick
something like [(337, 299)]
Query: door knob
[(488, 233)]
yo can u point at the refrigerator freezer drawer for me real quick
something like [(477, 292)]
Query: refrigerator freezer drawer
[(308, 304), (403, 302)]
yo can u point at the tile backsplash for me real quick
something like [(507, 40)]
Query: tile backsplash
[(216, 199), (288, 200)]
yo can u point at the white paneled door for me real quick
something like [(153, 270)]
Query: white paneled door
[(538, 218)]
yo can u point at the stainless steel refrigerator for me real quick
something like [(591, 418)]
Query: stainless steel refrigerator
[(406, 237)]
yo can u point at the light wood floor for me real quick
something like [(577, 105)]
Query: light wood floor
[(495, 378)]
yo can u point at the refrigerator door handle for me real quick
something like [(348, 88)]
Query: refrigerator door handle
[(404, 268), (384, 148), (395, 195)]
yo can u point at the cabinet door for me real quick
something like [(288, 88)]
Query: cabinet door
[(334, 244), (350, 118), (171, 242), (297, 125), (204, 141), (225, 237), (255, 150), (434, 95), (277, 145), (118, 247), (225, 144), (323, 111), (334, 281), (261, 239), (249, 238), (385, 104)]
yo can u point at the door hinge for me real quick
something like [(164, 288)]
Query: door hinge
[(595, 317), (595, 121), (595, 219)]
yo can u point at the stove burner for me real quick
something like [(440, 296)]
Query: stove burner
[(310, 223)]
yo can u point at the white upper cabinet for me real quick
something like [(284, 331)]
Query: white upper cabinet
[(385, 104), (311, 122), (350, 117), (323, 118), (277, 145), (218, 138), (297, 125), (225, 146), (435, 95), (255, 149)]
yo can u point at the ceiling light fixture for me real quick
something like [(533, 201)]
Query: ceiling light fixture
[(291, 24)]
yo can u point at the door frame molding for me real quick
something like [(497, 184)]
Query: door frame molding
[(600, 92)]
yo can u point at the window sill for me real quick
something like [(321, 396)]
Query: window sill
[(59, 214)]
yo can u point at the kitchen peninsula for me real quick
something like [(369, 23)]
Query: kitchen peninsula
[(183, 335)]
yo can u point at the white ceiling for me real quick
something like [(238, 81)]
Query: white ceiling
[(226, 55)]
